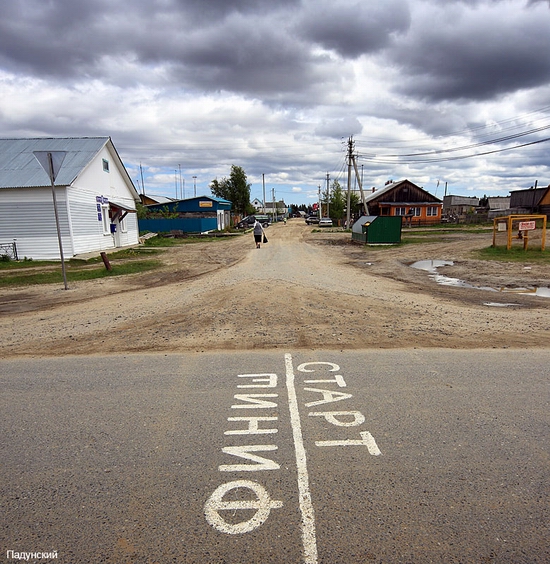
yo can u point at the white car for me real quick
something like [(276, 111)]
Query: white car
[(325, 222)]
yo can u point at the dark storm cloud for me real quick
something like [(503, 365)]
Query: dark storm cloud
[(46, 38), (478, 55), (355, 29), (68, 38)]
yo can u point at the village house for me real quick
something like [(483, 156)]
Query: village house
[(278, 209), (531, 201), (414, 204), (96, 199), (459, 205)]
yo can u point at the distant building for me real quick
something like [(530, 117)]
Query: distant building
[(497, 206), (459, 205), (192, 215), (530, 201), (151, 199), (271, 208)]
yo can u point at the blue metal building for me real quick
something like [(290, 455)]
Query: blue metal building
[(192, 215)]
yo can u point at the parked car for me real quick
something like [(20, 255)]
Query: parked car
[(312, 219), (325, 222), (249, 221)]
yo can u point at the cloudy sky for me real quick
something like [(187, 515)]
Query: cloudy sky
[(452, 92)]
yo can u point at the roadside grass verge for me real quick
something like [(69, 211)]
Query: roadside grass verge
[(160, 241), (125, 254), (515, 254), (75, 273)]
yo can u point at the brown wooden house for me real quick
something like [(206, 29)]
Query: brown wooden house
[(532, 200), (405, 199)]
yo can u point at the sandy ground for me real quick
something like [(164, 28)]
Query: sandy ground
[(301, 290)]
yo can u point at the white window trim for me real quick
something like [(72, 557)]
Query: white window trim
[(106, 219)]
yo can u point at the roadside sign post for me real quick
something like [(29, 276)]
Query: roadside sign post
[(51, 162)]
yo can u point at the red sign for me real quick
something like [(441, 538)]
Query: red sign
[(527, 225)]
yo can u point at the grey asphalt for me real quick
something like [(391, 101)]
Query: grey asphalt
[(410, 456)]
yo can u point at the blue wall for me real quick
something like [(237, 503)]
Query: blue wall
[(187, 225)]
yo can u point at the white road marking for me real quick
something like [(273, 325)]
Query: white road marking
[(366, 440), (309, 540), (263, 505), (332, 417), (245, 452)]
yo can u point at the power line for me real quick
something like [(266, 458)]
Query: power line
[(461, 157)]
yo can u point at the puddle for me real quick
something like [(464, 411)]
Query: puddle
[(497, 304), (431, 266)]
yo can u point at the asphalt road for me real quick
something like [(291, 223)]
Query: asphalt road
[(330, 457)]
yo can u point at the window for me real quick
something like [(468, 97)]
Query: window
[(400, 211), (431, 211), (105, 165), (122, 225), (106, 219), (414, 211)]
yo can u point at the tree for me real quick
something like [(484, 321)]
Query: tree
[(337, 201), (235, 189)]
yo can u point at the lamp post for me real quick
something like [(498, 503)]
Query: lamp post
[(51, 162)]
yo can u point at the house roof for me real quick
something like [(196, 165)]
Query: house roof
[(20, 169), (392, 186)]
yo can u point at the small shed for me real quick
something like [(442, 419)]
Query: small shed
[(374, 229), (192, 215)]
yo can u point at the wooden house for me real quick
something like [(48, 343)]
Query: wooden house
[(414, 204), (531, 200)]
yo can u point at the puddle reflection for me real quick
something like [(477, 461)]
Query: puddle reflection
[(431, 266)]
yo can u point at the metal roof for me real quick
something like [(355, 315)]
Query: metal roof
[(20, 169)]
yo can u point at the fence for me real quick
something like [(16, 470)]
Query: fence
[(8, 250)]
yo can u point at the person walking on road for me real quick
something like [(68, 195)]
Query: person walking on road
[(258, 233)]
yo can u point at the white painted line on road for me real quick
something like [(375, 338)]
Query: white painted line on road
[(309, 540), (367, 440)]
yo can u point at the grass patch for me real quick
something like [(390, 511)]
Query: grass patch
[(125, 254), (160, 241), (515, 254), (17, 264), (75, 273)]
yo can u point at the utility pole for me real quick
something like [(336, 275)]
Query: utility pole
[(263, 203), (194, 186), (141, 173), (360, 182), (328, 195), (348, 200)]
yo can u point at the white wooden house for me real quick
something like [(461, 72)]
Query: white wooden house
[(96, 198)]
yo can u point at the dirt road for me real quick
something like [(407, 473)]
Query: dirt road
[(301, 290)]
